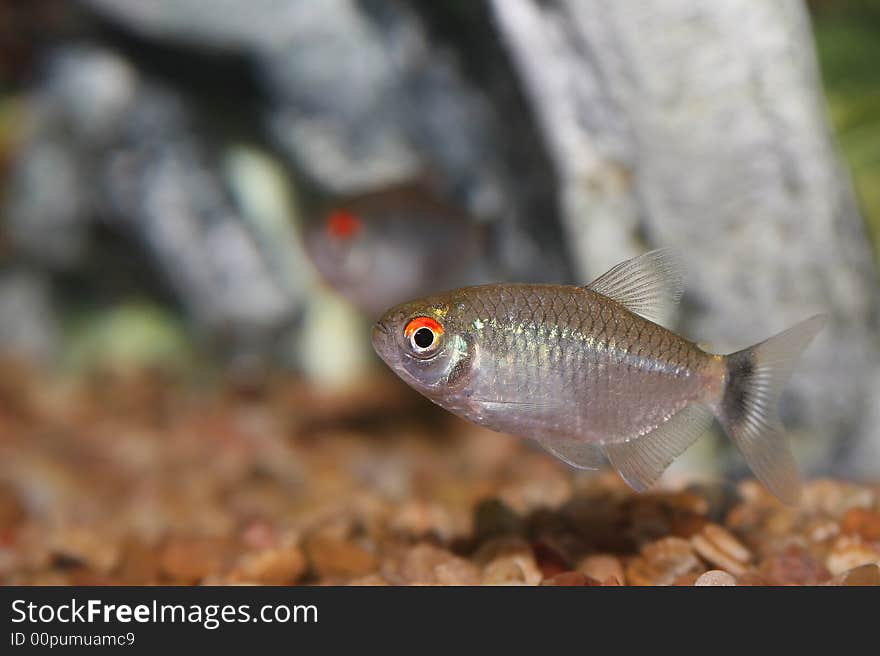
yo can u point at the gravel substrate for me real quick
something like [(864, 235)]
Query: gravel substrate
[(139, 479)]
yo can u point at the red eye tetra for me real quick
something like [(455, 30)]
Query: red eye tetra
[(423, 334), (342, 224)]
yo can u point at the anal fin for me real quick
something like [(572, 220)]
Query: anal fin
[(641, 460)]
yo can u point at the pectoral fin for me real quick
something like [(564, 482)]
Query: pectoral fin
[(580, 455)]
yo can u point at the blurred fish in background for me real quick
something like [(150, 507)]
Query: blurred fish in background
[(208, 167), (383, 248)]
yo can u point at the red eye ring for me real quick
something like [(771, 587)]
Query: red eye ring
[(423, 322), (411, 332)]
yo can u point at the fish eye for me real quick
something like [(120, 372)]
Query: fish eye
[(342, 224), (424, 335)]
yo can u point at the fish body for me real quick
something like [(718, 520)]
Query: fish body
[(587, 373), (558, 361)]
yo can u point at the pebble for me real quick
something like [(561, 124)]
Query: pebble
[(191, 559), (715, 577), (570, 579), (719, 547), (493, 518), (862, 575), (336, 558), (419, 519), (426, 564), (83, 546), (850, 551), (601, 567), (835, 498), (12, 509), (508, 561), (273, 566), (663, 562), (793, 564), (862, 522)]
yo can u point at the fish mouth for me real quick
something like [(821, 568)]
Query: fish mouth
[(381, 339)]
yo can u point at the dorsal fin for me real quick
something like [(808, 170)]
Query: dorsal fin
[(649, 285), (642, 460)]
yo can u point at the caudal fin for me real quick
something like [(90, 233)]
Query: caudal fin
[(749, 406)]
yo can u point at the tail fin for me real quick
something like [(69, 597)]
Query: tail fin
[(748, 410)]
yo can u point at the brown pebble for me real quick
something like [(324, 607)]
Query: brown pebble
[(493, 518), (418, 519), (650, 519), (546, 488), (753, 493), (686, 525), (570, 579), (715, 577), (426, 564), (189, 560), (492, 549), (793, 565), (509, 570), (12, 510), (780, 521), (819, 529), (751, 577), (139, 563), (662, 562), (508, 561), (85, 546), (835, 498), (850, 551), (369, 580), (687, 580), (456, 571), (273, 566), (551, 557), (601, 567), (862, 522), (862, 575), (260, 535), (718, 546), (336, 558), (688, 501), (639, 572), (727, 542)]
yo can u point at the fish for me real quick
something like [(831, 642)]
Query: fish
[(384, 247), (591, 373)]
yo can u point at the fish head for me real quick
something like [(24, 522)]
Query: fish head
[(428, 344)]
